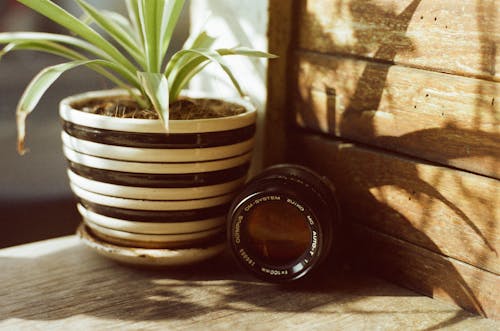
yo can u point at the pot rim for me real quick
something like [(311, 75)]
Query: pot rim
[(70, 114)]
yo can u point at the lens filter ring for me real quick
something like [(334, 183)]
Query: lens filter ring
[(276, 236)]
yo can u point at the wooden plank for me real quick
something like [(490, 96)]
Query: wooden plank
[(450, 212), (447, 36), (61, 285), (429, 273), (443, 118), (280, 32)]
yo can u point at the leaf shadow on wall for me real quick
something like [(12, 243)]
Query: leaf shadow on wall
[(357, 121)]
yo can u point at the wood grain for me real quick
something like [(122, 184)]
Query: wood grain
[(443, 118), (446, 36), (280, 33), (60, 285), (428, 273), (367, 86), (450, 212)]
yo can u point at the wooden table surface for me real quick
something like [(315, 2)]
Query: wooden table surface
[(61, 285)]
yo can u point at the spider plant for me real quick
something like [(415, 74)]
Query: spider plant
[(130, 51)]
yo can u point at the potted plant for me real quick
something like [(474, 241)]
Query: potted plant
[(153, 167)]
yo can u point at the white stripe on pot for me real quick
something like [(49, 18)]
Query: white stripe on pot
[(149, 193), (156, 155), (149, 204), (158, 238), (155, 168), (153, 126), (151, 228)]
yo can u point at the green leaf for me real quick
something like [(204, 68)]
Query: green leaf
[(119, 19), (149, 15), (114, 30), (201, 40), (125, 24), (155, 86), (37, 88), (245, 51), (60, 16), (186, 74), (189, 62), (170, 16), (59, 50), (40, 37), (86, 19), (43, 46), (133, 14), (9, 37), (178, 77)]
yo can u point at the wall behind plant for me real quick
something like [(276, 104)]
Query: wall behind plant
[(236, 23)]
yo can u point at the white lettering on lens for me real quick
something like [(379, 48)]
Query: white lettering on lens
[(314, 244), (260, 200), (246, 258), (310, 219), (237, 227), (295, 203), (274, 272)]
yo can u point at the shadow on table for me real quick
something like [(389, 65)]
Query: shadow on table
[(54, 287)]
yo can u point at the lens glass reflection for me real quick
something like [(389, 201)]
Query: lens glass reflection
[(277, 232)]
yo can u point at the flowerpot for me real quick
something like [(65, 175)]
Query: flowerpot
[(139, 187)]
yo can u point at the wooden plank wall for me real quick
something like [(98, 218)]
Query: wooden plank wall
[(280, 32), (397, 101)]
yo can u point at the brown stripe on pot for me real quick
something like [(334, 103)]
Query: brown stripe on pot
[(160, 180), (156, 216), (159, 140)]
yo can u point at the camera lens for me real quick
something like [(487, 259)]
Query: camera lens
[(281, 224)]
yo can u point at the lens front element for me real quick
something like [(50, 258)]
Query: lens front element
[(277, 232)]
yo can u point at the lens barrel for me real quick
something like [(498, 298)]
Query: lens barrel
[(281, 225)]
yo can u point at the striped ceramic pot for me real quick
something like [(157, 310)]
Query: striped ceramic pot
[(139, 187)]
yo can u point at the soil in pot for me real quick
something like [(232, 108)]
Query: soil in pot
[(182, 109)]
